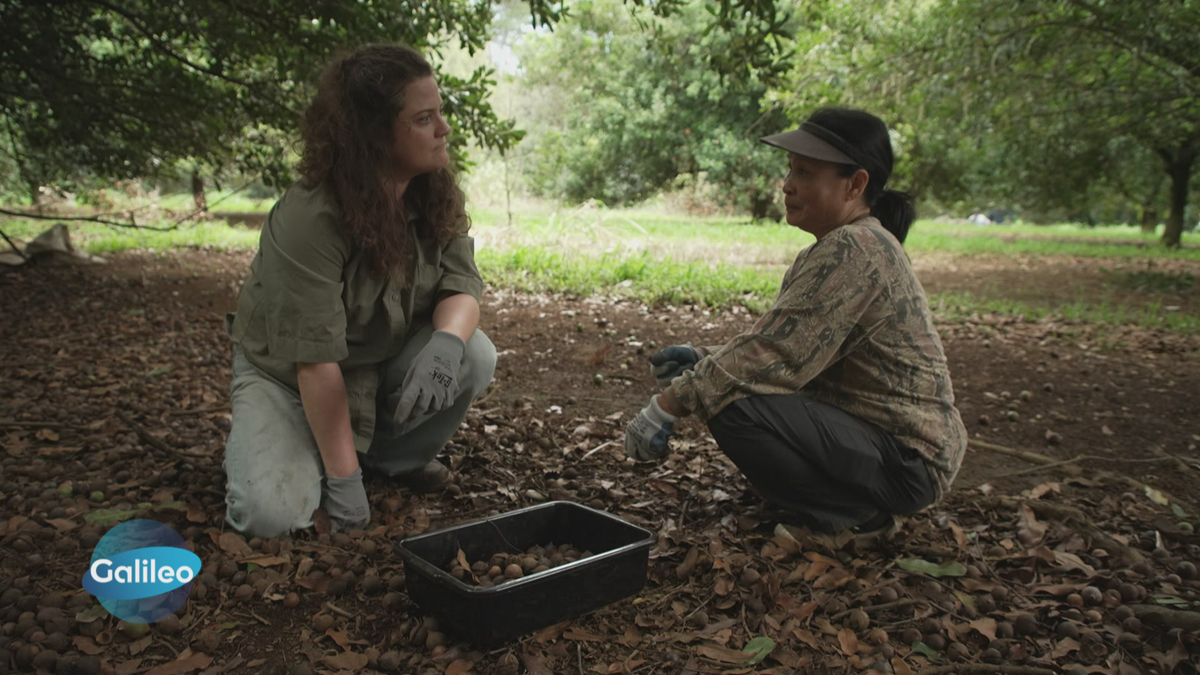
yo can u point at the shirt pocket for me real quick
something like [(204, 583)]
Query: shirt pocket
[(425, 289)]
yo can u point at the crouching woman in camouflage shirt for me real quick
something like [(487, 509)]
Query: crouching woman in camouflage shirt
[(837, 403), (355, 336)]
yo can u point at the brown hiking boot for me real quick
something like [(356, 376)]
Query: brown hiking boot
[(430, 478), (853, 539)]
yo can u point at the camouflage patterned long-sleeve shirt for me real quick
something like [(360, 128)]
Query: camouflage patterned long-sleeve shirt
[(851, 328)]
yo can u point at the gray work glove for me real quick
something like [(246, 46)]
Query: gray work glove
[(671, 362), (646, 436), (346, 502), (431, 383)]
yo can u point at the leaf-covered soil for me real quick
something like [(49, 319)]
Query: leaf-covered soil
[(1068, 533)]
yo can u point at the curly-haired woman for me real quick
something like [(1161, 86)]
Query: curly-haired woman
[(355, 336)]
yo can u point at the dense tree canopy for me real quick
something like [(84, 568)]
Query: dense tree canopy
[(94, 88), (123, 89), (1070, 109), (643, 109)]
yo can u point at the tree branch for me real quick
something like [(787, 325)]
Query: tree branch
[(165, 49), (88, 219), (14, 247)]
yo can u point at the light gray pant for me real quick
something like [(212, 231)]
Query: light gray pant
[(273, 466)]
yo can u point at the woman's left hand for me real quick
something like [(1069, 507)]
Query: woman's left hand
[(646, 436)]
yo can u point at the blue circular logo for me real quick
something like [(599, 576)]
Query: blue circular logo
[(140, 571)]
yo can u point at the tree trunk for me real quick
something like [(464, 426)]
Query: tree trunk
[(1179, 168), (1148, 219), (198, 192)]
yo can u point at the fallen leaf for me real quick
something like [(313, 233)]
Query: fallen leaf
[(266, 561), (1065, 646), (314, 584), (1043, 489), (986, 627), (1156, 496), (848, 641), (182, 666), (551, 632), (91, 614), (128, 668), (925, 650), (62, 524), (960, 537), (534, 665), (233, 544), (950, 569), (138, 647), (577, 633), (87, 645), (1070, 561), (458, 667), (722, 654), (758, 648), (1031, 531), (346, 661)]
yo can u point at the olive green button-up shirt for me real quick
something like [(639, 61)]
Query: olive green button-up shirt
[(310, 298)]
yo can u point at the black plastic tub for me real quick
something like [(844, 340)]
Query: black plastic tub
[(489, 617)]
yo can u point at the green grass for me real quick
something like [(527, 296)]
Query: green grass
[(738, 241), (103, 239), (218, 200), (960, 306), (637, 277), (663, 258)]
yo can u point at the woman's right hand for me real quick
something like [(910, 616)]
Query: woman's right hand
[(346, 502), (672, 362)]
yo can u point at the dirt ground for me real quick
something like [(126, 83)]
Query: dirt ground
[(114, 396)]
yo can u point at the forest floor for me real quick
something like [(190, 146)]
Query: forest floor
[(1071, 522)]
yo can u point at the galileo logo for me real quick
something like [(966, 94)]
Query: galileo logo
[(140, 571)]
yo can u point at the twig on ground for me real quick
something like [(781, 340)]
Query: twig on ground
[(596, 449), (1072, 470), (1165, 616), (984, 668), (16, 250), (1183, 463), (259, 618), (143, 434), (484, 399), (879, 608), (1071, 515), (338, 610)]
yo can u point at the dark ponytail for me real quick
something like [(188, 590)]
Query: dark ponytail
[(896, 211)]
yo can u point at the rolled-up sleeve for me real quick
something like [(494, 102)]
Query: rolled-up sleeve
[(303, 255), (459, 273)]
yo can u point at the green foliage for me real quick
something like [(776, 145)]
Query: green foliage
[(125, 90), (1067, 110), (639, 104)]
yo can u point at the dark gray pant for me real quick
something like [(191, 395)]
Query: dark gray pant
[(829, 468)]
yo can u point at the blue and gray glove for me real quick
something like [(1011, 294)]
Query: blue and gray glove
[(346, 502), (431, 383), (646, 436), (672, 362)]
